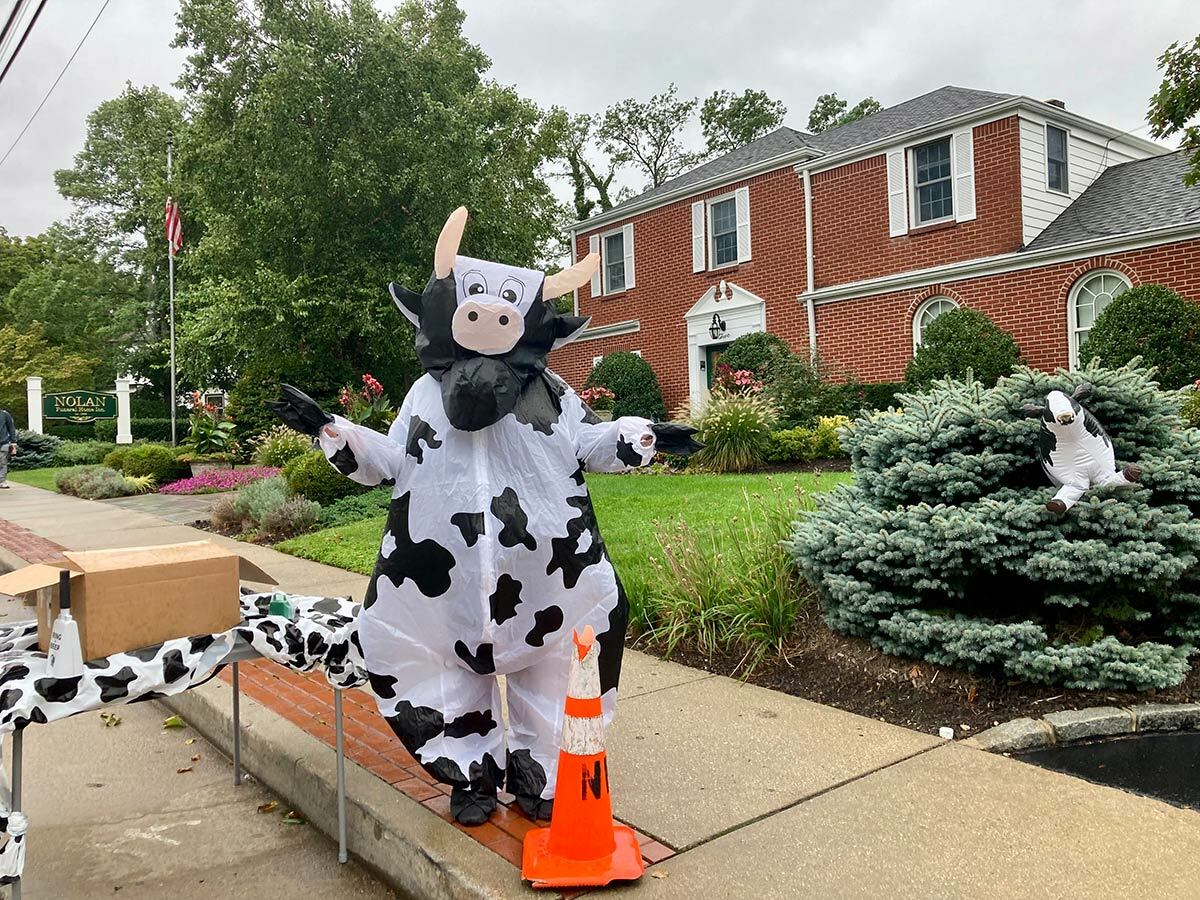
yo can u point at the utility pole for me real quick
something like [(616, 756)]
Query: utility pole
[(171, 288)]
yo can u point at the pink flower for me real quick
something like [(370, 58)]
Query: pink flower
[(216, 480)]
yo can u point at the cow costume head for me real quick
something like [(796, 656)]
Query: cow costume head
[(484, 329)]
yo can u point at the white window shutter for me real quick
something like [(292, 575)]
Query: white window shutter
[(962, 162), (741, 203), (897, 188), (594, 247), (627, 240), (698, 236)]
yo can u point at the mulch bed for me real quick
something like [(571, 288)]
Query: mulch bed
[(850, 674)]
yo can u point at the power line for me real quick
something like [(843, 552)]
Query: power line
[(8, 24), (28, 28), (56, 80)]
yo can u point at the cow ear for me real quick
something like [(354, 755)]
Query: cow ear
[(407, 301), (567, 328), (1032, 410), (1083, 391)]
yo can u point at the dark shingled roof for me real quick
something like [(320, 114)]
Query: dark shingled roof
[(936, 106), (1127, 198)]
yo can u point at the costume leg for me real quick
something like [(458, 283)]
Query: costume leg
[(1122, 478), (1068, 495)]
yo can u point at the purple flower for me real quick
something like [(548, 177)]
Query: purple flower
[(216, 480)]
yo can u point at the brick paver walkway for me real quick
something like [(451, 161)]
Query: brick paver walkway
[(27, 545)]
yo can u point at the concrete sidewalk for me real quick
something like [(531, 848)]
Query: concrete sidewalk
[(761, 794)]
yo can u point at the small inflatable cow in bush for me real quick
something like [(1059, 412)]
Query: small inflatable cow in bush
[(491, 555), (1075, 452)]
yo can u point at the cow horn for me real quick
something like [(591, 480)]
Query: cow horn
[(448, 241), (571, 277)]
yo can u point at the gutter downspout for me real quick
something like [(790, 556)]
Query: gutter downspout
[(808, 268), (571, 261)]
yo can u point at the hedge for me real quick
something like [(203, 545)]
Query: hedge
[(143, 429), (313, 477)]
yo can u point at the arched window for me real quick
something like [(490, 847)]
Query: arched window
[(926, 313), (1089, 296)]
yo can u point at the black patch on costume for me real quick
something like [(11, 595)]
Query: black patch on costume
[(58, 690), (612, 642), (427, 563), (9, 698), (149, 695), (538, 406), (577, 476), (14, 674), (315, 645), (173, 667), (475, 722), (116, 687), (420, 430), (626, 453), (36, 717), (327, 605), (343, 460), (101, 663), (525, 775), (486, 775), (146, 654), (545, 621), (1047, 443), (564, 555), (1094, 428), (372, 594), (481, 661), (470, 524), (505, 599), (507, 508), (415, 725), (383, 685), (446, 771), (200, 643)]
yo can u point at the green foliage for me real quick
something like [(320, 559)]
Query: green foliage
[(633, 381), (142, 429), (70, 431), (34, 451), (293, 516), (961, 341), (942, 548), (795, 445), (25, 352), (99, 483), (313, 477), (649, 135), (152, 459), (731, 120), (80, 453), (258, 499), (803, 392), (1154, 323), (756, 352), (735, 430), (830, 111), (1174, 107), (356, 507), (573, 143), (248, 400), (278, 446), (880, 395), (1191, 406)]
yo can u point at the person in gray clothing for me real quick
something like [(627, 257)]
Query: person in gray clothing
[(8, 444)]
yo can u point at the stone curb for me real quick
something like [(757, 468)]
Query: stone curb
[(412, 850), (1070, 725)]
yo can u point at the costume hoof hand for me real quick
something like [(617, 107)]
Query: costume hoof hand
[(1057, 507), (299, 411), (1132, 473), (675, 438), (471, 807)]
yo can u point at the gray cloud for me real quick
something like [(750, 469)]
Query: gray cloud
[(1098, 56)]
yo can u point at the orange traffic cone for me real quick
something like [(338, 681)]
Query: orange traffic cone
[(583, 847)]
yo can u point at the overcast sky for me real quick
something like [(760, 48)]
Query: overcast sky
[(1098, 56)]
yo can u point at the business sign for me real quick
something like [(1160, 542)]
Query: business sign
[(79, 406)]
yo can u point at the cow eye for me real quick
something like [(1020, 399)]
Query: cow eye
[(512, 290), (474, 283)]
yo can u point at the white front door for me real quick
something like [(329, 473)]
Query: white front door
[(737, 311)]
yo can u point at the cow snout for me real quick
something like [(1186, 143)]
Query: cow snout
[(487, 328), (1066, 418)]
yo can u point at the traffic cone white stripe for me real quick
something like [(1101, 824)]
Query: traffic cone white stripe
[(583, 737)]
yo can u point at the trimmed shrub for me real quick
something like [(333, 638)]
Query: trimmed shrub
[(734, 429), (356, 508), (100, 483), (278, 446), (959, 341), (794, 445), (256, 500), (143, 429), (295, 515), (70, 431), (152, 459), (881, 395), (942, 548), (34, 451), (82, 453), (115, 459), (633, 381), (248, 399), (756, 352), (313, 477), (1155, 323)]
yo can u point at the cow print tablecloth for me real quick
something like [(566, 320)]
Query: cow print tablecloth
[(324, 635)]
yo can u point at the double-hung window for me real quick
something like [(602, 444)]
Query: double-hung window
[(723, 228), (933, 191), (614, 262), (1057, 177)]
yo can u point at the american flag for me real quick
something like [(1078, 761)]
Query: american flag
[(174, 227)]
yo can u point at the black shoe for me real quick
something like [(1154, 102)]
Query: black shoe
[(471, 807), (535, 807)]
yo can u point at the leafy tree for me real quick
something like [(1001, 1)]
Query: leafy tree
[(26, 352), (962, 341), (830, 111), (1175, 106), (573, 142), (1151, 322), (19, 257), (649, 134), (732, 120)]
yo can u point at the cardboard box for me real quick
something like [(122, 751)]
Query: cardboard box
[(132, 598)]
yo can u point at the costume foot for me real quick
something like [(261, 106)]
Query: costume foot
[(1132, 473), (535, 807), (1057, 507), (471, 807)]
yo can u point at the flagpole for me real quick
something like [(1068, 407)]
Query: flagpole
[(171, 289)]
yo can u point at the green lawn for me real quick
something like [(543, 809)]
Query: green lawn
[(38, 478), (627, 507)]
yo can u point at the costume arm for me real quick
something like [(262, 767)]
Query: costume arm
[(616, 446), (362, 454)]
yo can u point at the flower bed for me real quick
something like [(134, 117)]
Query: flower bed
[(215, 481)]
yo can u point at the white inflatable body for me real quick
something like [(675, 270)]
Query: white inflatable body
[(1075, 452)]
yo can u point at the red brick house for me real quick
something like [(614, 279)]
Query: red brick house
[(849, 242)]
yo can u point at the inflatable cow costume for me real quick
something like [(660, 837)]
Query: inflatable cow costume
[(1075, 452), (491, 555)]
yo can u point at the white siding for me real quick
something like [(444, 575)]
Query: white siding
[(1088, 155)]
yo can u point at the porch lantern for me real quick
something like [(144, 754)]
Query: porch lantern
[(717, 328)]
